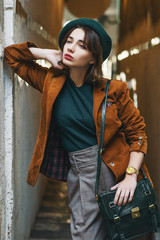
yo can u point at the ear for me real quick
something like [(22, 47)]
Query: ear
[(92, 61)]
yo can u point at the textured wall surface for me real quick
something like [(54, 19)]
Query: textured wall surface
[(7, 128), (2, 205), (1, 120), (19, 123), (48, 13), (26, 122), (144, 67)]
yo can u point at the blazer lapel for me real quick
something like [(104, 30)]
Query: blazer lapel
[(54, 89), (98, 96)]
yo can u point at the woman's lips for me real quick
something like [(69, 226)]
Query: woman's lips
[(68, 57)]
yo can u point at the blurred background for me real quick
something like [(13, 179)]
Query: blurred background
[(134, 27)]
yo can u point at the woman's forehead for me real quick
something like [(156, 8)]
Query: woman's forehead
[(77, 32)]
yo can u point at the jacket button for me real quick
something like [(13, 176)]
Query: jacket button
[(140, 137), (111, 164)]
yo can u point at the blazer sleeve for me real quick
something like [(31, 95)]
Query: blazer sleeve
[(21, 60), (132, 122)]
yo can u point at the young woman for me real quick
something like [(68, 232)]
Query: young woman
[(72, 94)]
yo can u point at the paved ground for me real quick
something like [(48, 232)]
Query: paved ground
[(52, 221)]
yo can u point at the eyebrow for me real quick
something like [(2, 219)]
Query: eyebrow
[(79, 40)]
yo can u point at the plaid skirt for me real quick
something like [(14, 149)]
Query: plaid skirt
[(85, 220)]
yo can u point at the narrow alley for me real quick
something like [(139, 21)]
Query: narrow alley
[(39, 211), (52, 221)]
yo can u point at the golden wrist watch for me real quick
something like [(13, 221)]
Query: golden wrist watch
[(131, 170)]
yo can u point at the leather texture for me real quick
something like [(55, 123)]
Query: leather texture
[(119, 221)]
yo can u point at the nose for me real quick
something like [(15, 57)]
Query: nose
[(71, 48)]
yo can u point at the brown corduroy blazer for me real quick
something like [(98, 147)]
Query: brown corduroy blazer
[(125, 126)]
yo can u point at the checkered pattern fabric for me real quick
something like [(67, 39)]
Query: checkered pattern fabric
[(55, 162)]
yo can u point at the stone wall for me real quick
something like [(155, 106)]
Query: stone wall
[(2, 207), (19, 123)]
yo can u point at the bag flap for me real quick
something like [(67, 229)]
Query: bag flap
[(143, 188)]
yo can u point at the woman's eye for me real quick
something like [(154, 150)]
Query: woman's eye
[(68, 41), (82, 46)]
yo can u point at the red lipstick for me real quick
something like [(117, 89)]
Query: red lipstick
[(68, 56)]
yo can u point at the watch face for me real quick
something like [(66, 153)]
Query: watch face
[(130, 170)]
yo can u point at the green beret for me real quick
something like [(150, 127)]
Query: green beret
[(105, 39)]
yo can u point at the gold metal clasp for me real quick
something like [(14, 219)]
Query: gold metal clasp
[(117, 219), (147, 193), (100, 150), (151, 206), (135, 212), (111, 204)]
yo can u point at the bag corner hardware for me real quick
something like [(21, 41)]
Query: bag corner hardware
[(116, 219)]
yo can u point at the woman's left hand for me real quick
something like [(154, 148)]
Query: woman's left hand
[(125, 189)]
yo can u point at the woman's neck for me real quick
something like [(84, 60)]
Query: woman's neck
[(77, 76)]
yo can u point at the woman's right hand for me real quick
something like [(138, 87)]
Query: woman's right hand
[(54, 58), (51, 55)]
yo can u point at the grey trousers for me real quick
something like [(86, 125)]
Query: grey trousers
[(85, 220)]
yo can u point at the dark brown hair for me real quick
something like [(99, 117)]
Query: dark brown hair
[(94, 74)]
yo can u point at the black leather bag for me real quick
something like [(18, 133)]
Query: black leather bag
[(136, 218)]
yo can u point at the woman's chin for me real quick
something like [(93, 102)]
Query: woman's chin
[(66, 66), (66, 63)]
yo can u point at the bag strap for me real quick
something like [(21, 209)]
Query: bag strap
[(100, 148)]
